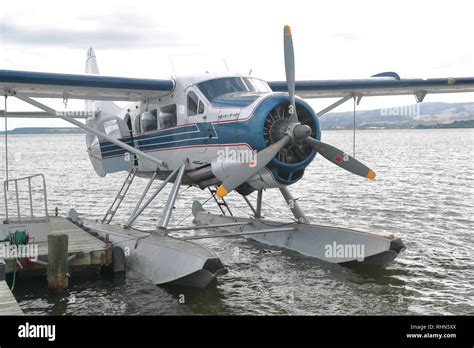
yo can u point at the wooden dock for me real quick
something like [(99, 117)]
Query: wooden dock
[(89, 252), (86, 253), (8, 304)]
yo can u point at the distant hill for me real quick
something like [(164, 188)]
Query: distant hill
[(45, 130), (423, 115), (455, 124)]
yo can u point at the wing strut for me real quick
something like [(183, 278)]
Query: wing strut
[(333, 106)]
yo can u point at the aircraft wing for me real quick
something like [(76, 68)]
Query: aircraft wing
[(378, 85), (88, 87)]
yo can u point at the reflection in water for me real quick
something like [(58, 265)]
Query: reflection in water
[(412, 198)]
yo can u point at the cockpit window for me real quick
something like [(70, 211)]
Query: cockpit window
[(259, 85), (200, 107), (215, 88), (250, 86)]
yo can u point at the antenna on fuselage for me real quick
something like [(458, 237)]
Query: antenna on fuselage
[(225, 63), (250, 72), (172, 65), (357, 99)]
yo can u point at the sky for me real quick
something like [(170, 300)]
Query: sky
[(160, 39)]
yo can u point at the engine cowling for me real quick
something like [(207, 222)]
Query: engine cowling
[(266, 124), (273, 114)]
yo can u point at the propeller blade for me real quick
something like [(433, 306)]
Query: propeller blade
[(241, 172), (340, 158), (290, 71)]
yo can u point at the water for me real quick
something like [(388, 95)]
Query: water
[(423, 193)]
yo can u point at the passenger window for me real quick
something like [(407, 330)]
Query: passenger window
[(112, 129), (168, 116), (136, 123), (200, 107), (192, 104), (149, 121)]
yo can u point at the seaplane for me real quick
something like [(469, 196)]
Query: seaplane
[(193, 130)]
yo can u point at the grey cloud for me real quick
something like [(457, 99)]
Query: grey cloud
[(113, 32), (347, 36)]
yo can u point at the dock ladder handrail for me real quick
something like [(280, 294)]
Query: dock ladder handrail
[(15, 181)]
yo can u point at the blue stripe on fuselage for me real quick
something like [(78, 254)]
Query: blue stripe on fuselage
[(198, 134)]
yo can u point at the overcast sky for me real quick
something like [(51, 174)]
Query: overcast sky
[(333, 40)]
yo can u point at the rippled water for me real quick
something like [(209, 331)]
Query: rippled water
[(423, 193)]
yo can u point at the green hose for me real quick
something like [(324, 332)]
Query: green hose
[(17, 238), (14, 277)]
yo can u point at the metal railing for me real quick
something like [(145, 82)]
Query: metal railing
[(15, 181)]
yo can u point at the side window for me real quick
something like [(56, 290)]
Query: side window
[(149, 121), (192, 104), (200, 107), (112, 129), (136, 124), (168, 116)]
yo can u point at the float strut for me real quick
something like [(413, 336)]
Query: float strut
[(258, 214), (171, 200), (293, 204)]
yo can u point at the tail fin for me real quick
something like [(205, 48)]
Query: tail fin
[(106, 107), (91, 62)]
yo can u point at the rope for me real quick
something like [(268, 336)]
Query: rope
[(354, 130), (178, 224), (187, 216), (274, 209), (14, 277)]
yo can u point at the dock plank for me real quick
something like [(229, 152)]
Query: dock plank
[(8, 304)]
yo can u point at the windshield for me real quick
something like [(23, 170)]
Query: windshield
[(215, 88)]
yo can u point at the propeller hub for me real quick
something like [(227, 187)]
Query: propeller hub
[(301, 131)]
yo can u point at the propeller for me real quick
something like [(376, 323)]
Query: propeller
[(296, 132), (340, 158), (290, 71)]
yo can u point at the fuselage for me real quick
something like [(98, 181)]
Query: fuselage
[(205, 122)]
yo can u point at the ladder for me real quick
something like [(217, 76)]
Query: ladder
[(120, 196), (220, 201)]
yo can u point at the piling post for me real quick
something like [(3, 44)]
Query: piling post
[(58, 261)]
